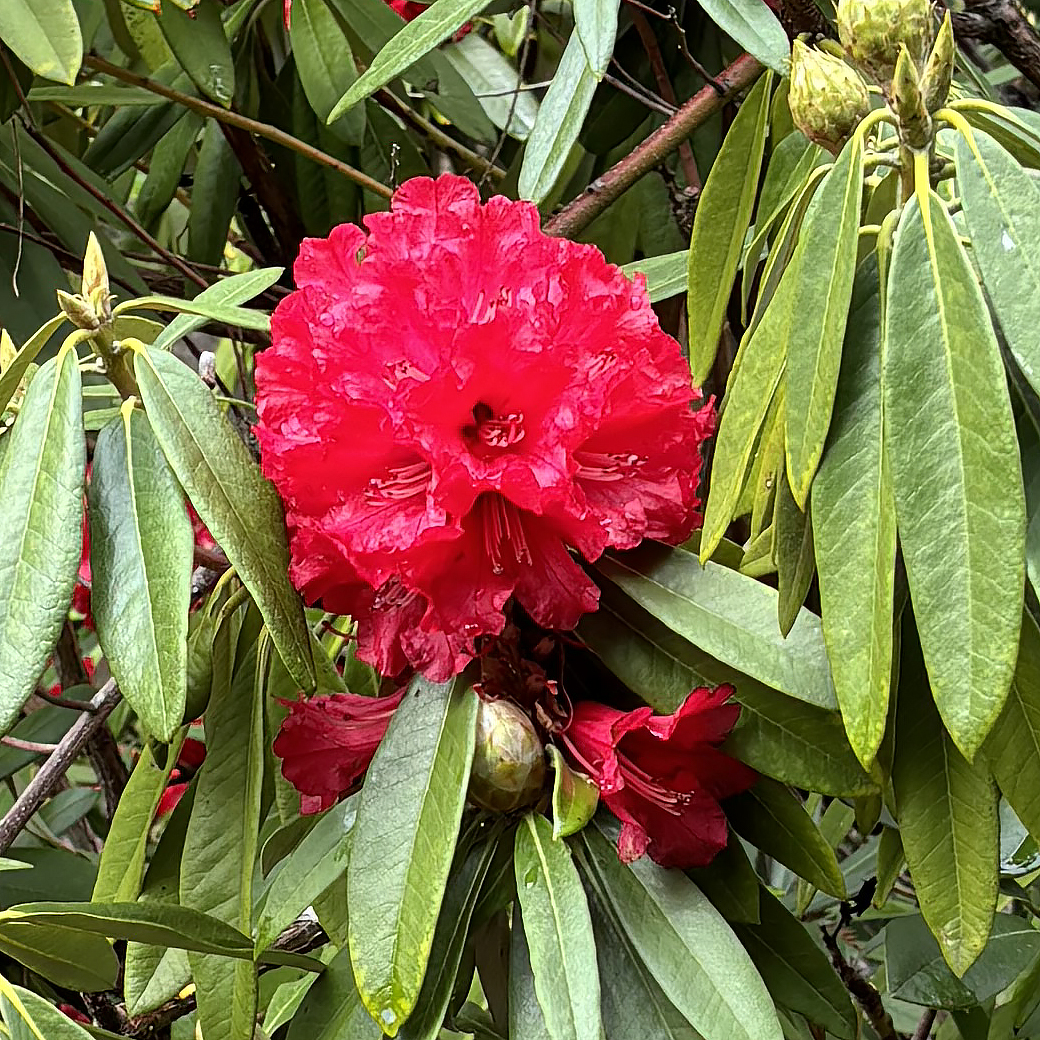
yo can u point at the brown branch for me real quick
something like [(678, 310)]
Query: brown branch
[(577, 215), (28, 745), (253, 126), (52, 772), (1003, 24), (924, 1025), (862, 991)]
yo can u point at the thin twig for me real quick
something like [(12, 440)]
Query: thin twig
[(924, 1025), (28, 745), (253, 126), (1003, 24), (861, 989), (53, 771), (577, 215)]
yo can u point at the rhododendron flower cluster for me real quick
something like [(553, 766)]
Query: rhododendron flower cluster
[(452, 402)]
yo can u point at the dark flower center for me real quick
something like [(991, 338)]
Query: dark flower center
[(494, 431)]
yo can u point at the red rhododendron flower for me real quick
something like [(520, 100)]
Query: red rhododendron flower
[(662, 775), (454, 400), (326, 744), (191, 755)]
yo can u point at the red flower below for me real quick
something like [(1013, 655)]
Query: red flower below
[(327, 743), (662, 775), (451, 403)]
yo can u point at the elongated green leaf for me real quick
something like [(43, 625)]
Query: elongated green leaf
[(665, 275), (65, 956), (950, 439), (45, 34), (1002, 212), (200, 44), (326, 66), (216, 179), (242, 317), (221, 843), (122, 863), (730, 882), (41, 502), (224, 485), (165, 167), (723, 215), (686, 944), (595, 24), (574, 797), (797, 971), (332, 1008), (822, 292), (1012, 748), (775, 821), (633, 1003), (404, 839), (559, 933), (947, 811), (141, 552), (728, 615), (417, 38), (561, 116), (525, 1016), (14, 373), (41, 1020), (779, 736), (319, 859), (854, 531), (755, 27), (795, 560), (175, 926), (239, 288)]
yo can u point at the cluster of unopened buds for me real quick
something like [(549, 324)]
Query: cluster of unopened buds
[(457, 410), (890, 45)]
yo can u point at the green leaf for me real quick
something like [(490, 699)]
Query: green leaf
[(141, 554), (595, 24), (319, 859), (439, 21), (687, 946), (574, 797), (216, 179), (525, 1015), (14, 373), (200, 44), (220, 297), (824, 265), (723, 214), (854, 531), (165, 167), (633, 1003), (730, 882), (465, 883), (1012, 748), (166, 925), (325, 62), (795, 561), (221, 843), (224, 485), (666, 276), (332, 1008), (24, 1010), (44, 34), (728, 615), (775, 821), (64, 956), (796, 971), (1001, 205), (41, 498), (561, 116), (950, 440), (755, 27), (947, 811), (241, 317), (122, 863), (404, 839), (559, 932)]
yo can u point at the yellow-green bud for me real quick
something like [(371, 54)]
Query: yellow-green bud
[(872, 32), (509, 761), (827, 98), (78, 310), (915, 124), (938, 73)]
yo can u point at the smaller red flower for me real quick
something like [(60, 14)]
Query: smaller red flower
[(662, 775), (327, 743), (74, 1013), (191, 756)]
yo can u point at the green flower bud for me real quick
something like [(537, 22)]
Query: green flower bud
[(509, 762), (872, 32), (915, 124), (827, 98), (938, 73)]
